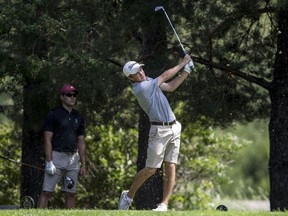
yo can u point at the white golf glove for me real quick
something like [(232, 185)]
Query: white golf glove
[(50, 168), (189, 67)]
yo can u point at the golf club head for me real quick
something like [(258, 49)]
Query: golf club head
[(159, 8), (222, 208)]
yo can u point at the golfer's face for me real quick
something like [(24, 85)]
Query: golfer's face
[(139, 76)]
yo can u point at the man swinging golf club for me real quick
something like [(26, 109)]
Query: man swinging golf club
[(164, 134)]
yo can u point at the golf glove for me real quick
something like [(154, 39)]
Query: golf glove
[(50, 168), (189, 67)]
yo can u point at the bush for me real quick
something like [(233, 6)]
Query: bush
[(205, 157), (9, 171)]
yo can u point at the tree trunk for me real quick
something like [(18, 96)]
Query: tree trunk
[(278, 126), (150, 193), (34, 106), (154, 45)]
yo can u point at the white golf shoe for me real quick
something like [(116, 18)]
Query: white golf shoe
[(161, 207), (125, 201)]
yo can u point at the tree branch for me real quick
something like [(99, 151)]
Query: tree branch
[(248, 77)]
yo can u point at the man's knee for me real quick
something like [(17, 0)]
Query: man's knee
[(150, 171), (169, 165)]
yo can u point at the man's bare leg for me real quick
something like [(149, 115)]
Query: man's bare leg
[(140, 178), (43, 199), (168, 181), (70, 200)]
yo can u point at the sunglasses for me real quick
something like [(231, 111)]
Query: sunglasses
[(70, 95)]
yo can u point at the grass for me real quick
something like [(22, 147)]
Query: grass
[(77, 212)]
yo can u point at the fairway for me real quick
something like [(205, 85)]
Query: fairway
[(37, 212)]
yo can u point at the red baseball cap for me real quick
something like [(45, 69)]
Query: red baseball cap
[(68, 88)]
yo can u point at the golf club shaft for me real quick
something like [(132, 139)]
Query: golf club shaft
[(68, 183), (191, 65), (182, 47), (15, 161), (25, 164)]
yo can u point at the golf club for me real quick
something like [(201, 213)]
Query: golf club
[(69, 182), (27, 202), (182, 47)]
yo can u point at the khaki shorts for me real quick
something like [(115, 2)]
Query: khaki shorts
[(66, 165), (163, 145)]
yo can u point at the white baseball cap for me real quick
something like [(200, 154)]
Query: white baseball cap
[(131, 67)]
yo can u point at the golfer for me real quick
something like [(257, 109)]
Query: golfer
[(165, 130), (64, 147)]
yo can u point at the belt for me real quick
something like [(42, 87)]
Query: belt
[(68, 152), (164, 123)]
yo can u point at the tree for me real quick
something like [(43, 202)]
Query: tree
[(276, 87), (278, 121), (44, 44)]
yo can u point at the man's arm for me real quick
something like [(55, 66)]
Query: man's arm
[(166, 75), (175, 83), (48, 145), (82, 152)]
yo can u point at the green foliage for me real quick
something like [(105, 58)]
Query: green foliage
[(228, 32), (6, 104), (9, 171), (87, 44), (282, 3), (205, 159), (249, 175), (111, 161), (206, 155)]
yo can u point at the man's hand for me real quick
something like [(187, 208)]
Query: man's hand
[(189, 67), (83, 171), (50, 168)]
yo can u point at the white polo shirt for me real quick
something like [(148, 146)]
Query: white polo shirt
[(152, 100)]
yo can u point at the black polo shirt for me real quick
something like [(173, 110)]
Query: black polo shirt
[(66, 128)]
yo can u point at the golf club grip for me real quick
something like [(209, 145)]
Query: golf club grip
[(184, 53)]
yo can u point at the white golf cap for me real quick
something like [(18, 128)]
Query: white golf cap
[(131, 67)]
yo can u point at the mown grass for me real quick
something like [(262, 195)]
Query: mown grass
[(76, 212)]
